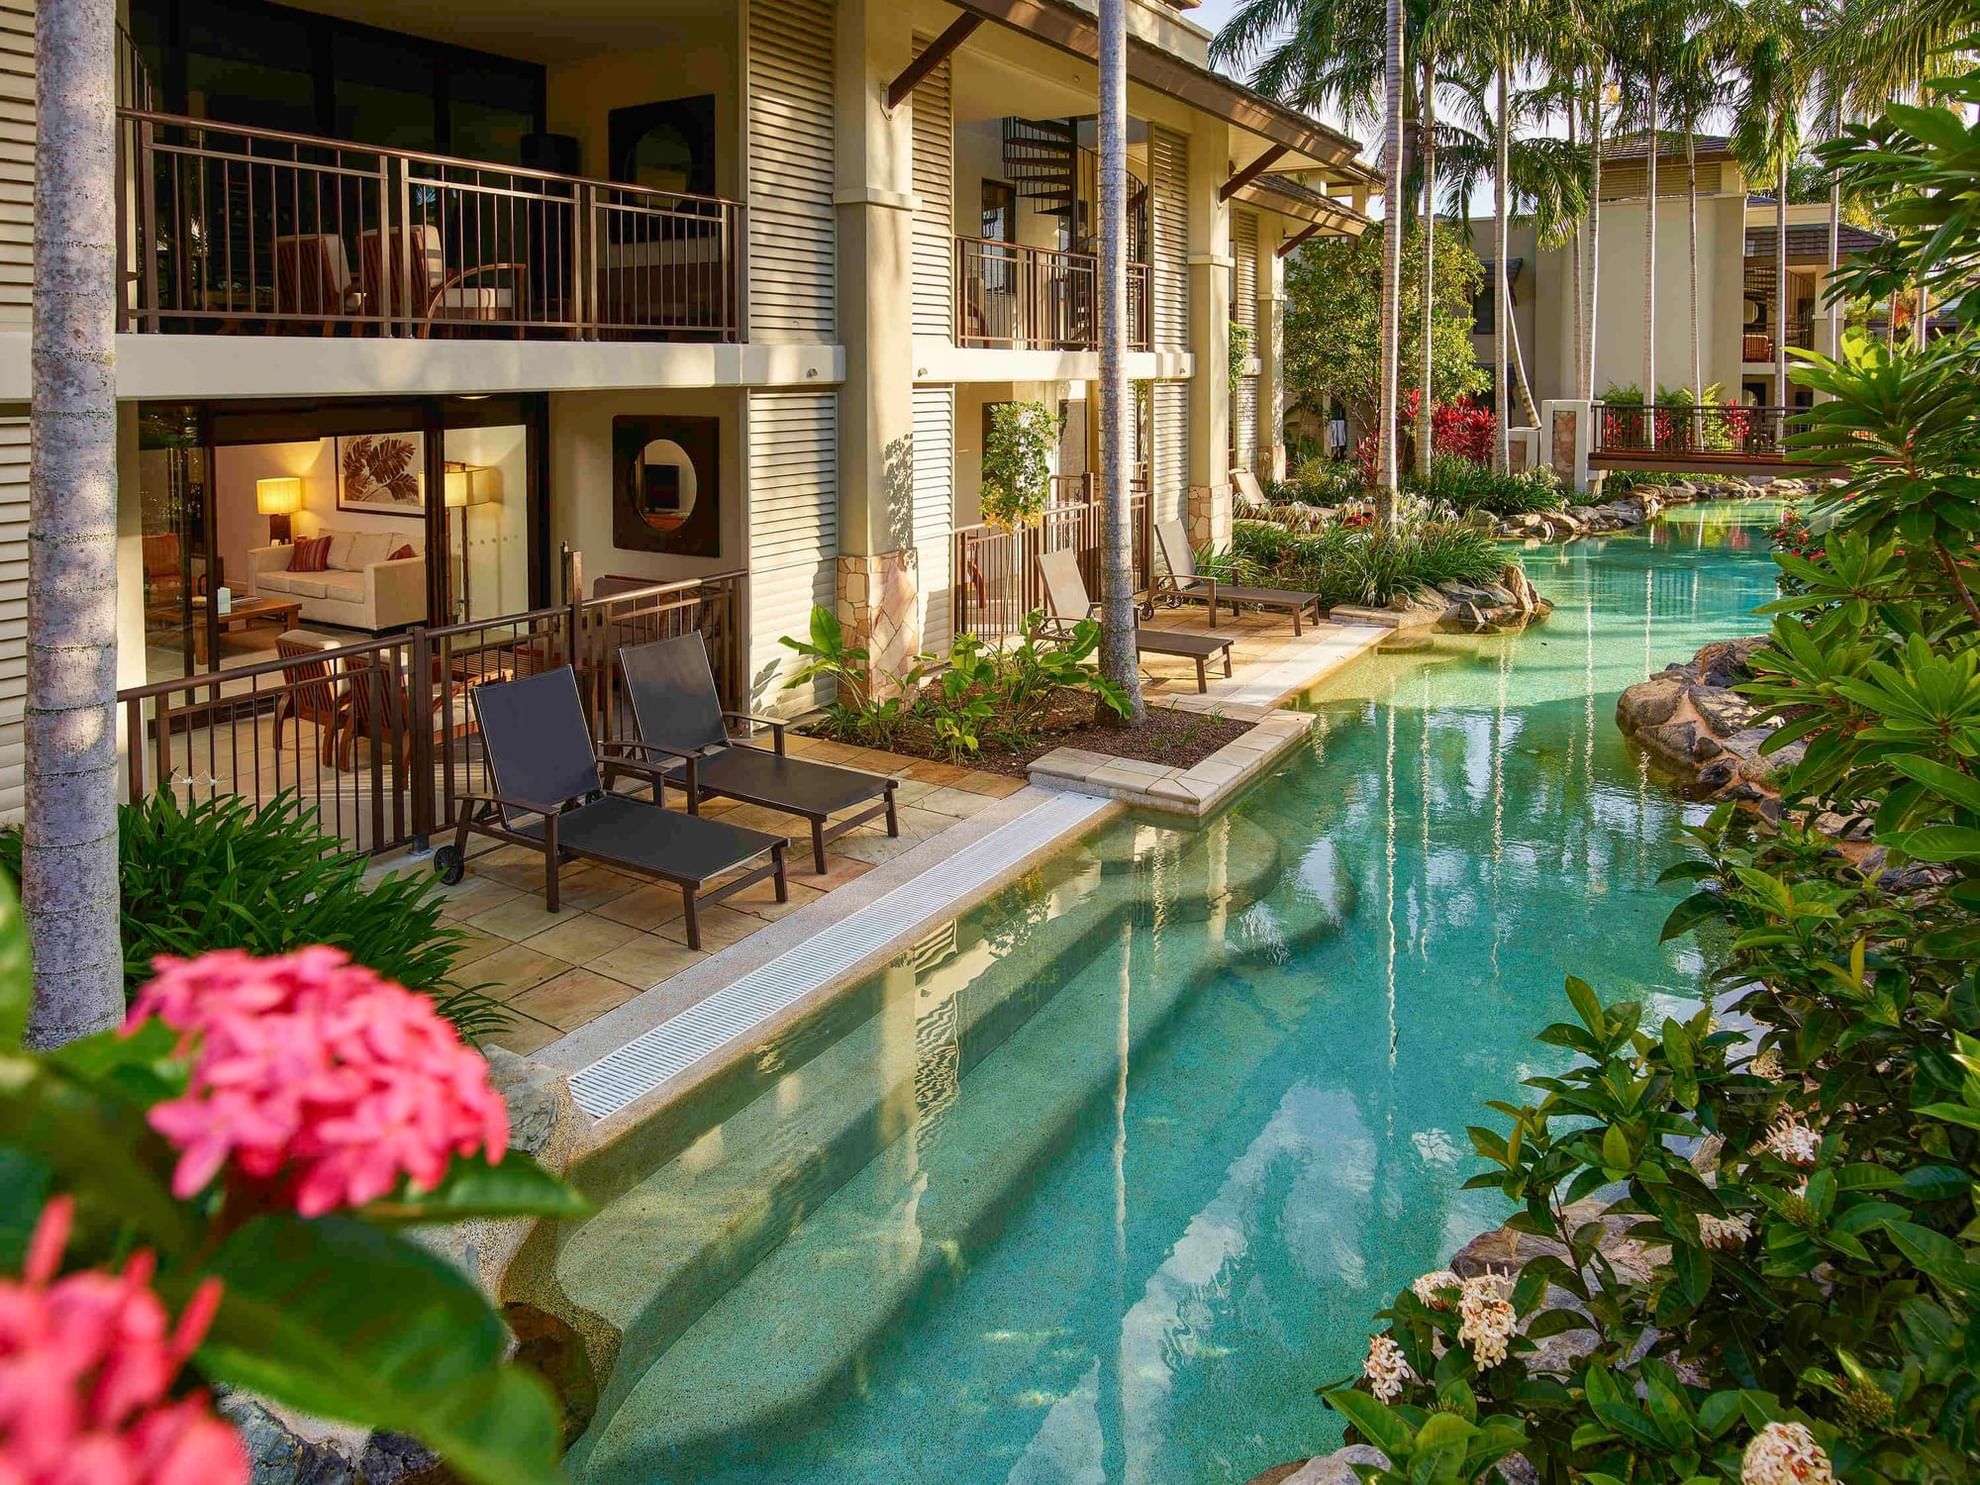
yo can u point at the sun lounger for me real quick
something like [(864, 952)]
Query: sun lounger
[(684, 732), (549, 794), (1066, 601), (1183, 581)]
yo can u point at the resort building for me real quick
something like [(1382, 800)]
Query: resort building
[(1741, 309), (714, 294)]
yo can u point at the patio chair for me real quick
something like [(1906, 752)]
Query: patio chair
[(407, 274), (311, 693), (313, 277), (683, 725), (1066, 601), (548, 793), (1183, 581)]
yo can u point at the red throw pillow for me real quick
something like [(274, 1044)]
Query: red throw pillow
[(312, 555), (402, 553)]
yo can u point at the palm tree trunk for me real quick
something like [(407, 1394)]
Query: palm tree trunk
[(1650, 251), (1580, 227), (69, 860), (1427, 153), (1392, 234), (1918, 325), (1501, 250), (1691, 235), (1117, 653), (1834, 336), (1780, 281), (1592, 288)]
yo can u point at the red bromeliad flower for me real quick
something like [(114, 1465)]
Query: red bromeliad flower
[(86, 1366), (316, 1075)]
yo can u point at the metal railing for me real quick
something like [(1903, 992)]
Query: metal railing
[(1690, 431), (233, 230), (996, 576), (1758, 345), (379, 736), (1012, 297)]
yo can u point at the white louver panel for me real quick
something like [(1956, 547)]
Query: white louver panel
[(1170, 475), (1244, 424), (16, 164), (935, 201), (935, 511), (1244, 272), (793, 442), (1169, 157), (792, 258), (13, 613)]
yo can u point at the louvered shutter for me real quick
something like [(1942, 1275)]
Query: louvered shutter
[(1169, 157), (1170, 415), (792, 255), (935, 199), (793, 441), (934, 510), (16, 160)]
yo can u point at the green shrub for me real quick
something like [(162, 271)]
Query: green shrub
[(1465, 486), (1017, 463), (221, 873), (1367, 564)]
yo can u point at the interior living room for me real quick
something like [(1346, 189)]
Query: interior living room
[(268, 527)]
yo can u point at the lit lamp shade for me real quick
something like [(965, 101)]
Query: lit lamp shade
[(466, 484), (278, 499)]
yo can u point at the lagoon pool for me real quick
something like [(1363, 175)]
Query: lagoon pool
[(1102, 1179)]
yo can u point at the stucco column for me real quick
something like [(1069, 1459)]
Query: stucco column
[(1271, 347), (877, 561), (1567, 435), (1210, 264)]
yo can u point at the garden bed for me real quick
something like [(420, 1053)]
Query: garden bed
[(1168, 736)]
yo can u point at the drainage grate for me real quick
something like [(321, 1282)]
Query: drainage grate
[(648, 1060)]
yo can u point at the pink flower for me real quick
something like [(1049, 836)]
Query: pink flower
[(318, 1076), (86, 1364)]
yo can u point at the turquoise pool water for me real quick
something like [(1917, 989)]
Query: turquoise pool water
[(1106, 1176)]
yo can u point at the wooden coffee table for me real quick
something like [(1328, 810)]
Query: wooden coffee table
[(280, 612)]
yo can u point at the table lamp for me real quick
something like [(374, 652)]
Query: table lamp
[(278, 499)]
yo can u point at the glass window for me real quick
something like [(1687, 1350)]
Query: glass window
[(999, 211), (492, 103), (249, 64), (384, 91)]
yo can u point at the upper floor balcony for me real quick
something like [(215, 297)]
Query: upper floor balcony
[(245, 231), (1013, 297)]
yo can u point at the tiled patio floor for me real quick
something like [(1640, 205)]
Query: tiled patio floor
[(619, 934)]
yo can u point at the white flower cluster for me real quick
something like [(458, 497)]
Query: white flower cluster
[(1386, 1369), (1785, 1454), (1768, 1065), (1435, 1290), (1793, 1141), (1727, 1234), (1486, 1319)]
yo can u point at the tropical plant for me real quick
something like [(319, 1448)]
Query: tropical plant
[(254, 1152), (1017, 463), (1368, 564), (1464, 485), (223, 873), (867, 706)]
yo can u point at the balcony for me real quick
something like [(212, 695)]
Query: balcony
[(1758, 345), (239, 231), (1012, 297)]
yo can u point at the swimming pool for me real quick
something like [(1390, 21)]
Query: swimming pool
[(1102, 1179)]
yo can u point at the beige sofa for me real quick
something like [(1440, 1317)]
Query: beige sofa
[(360, 589)]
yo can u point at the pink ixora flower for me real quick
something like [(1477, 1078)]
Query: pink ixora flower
[(318, 1075), (86, 1366)]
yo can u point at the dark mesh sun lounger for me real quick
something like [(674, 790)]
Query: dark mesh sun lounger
[(548, 793), (1065, 596), (684, 734), (1183, 581)]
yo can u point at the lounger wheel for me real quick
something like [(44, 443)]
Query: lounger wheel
[(449, 865)]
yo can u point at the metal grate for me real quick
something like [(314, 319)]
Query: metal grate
[(650, 1059)]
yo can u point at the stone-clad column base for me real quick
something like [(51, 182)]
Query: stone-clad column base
[(879, 609), (1209, 517)]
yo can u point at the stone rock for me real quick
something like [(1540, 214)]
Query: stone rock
[(1725, 712), (284, 1449), (1328, 1469), (1650, 703)]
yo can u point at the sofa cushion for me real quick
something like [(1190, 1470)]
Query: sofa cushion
[(305, 585), (345, 587), (401, 552), (312, 554), (274, 581), (341, 543), (369, 547)]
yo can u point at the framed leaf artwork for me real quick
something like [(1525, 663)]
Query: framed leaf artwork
[(384, 473)]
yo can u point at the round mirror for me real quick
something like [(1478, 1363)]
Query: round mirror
[(663, 485)]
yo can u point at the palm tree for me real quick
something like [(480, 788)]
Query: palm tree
[(1696, 87), (1772, 45), (69, 857), (1426, 158), (1391, 317), (1117, 653)]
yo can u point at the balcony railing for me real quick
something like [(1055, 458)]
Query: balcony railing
[(1686, 431), (1758, 345), (996, 573), (1012, 297), (233, 230)]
